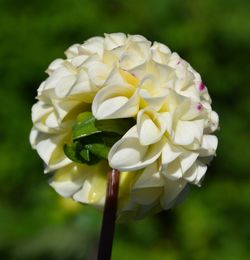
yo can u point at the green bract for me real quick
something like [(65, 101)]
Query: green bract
[(92, 138)]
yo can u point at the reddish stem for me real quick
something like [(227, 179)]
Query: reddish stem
[(109, 216)]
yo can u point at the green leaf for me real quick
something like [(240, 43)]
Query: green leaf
[(99, 150), (88, 157), (71, 152), (84, 126), (118, 126), (82, 154), (92, 139), (85, 154)]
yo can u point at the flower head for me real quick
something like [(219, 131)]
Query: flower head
[(160, 113)]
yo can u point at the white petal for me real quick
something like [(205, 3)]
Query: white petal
[(136, 54), (208, 145), (152, 94), (146, 196), (169, 153), (40, 111), (171, 191), (112, 104), (64, 161), (182, 108), (113, 40), (64, 107), (174, 60), (160, 47), (52, 121), (160, 53), (194, 110), (138, 38), (79, 60), (98, 72), (83, 194), (214, 121), (128, 154), (115, 78), (50, 149), (188, 131), (187, 159), (82, 84), (41, 88), (33, 137), (167, 121), (46, 146), (155, 102), (150, 126), (163, 73), (54, 65), (72, 51), (195, 173), (94, 45), (190, 92), (94, 188), (115, 102), (58, 75), (129, 78), (67, 180), (150, 177), (176, 104), (173, 170)]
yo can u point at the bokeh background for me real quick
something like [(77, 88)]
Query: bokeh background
[(214, 222)]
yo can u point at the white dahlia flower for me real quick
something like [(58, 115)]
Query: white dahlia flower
[(150, 99)]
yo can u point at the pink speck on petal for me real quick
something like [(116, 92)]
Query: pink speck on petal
[(202, 86), (199, 106)]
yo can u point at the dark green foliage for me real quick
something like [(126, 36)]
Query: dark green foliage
[(213, 223), (92, 138)]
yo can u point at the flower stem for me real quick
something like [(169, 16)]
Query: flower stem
[(109, 216)]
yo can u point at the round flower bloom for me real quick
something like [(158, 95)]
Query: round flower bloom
[(117, 77)]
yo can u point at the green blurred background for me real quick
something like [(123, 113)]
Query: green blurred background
[(214, 222)]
